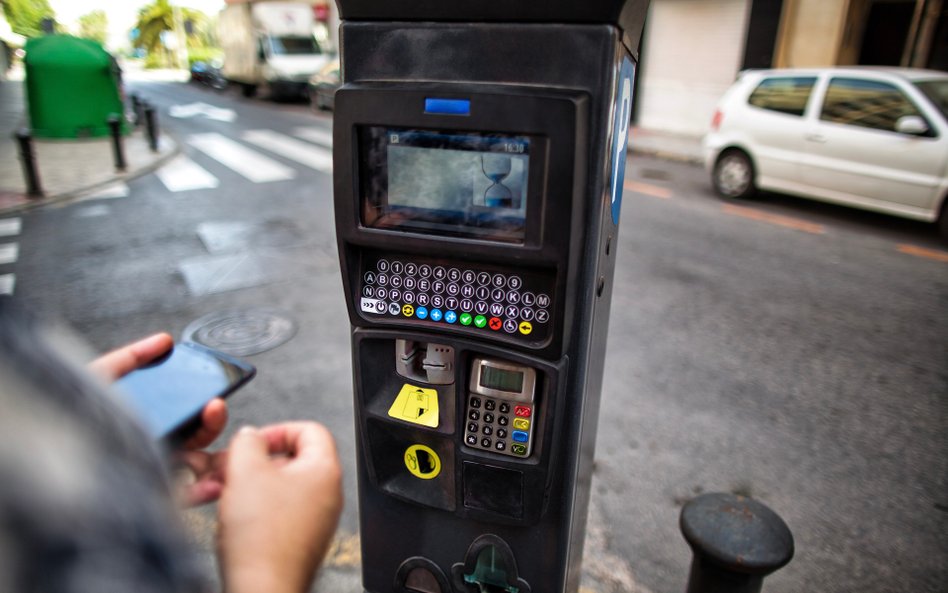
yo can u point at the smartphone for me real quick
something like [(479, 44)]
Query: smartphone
[(168, 394)]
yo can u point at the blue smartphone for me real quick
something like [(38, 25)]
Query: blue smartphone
[(168, 394)]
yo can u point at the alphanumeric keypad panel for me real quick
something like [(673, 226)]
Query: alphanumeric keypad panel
[(473, 297)]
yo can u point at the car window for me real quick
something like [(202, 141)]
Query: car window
[(783, 94), (937, 93), (865, 103)]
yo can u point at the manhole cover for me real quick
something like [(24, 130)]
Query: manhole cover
[(242, 332)]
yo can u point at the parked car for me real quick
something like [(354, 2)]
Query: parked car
[(322, 86), (871, 138)]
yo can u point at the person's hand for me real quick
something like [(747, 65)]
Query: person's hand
[(206, 481), (122, 361), (279, 507)]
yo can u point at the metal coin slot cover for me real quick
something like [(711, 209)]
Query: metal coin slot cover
[(428, 362)]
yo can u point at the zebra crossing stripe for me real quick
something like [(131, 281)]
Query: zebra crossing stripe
[(10, 227), (8, 253), (316, 135), (7, 283), (183, 174), (248, 163), (315, 157)]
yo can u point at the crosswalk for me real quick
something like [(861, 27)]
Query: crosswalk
[(9, 252), (249, 156)]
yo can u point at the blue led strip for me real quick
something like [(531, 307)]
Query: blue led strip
[(448, 106)]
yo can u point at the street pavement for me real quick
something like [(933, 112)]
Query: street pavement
[(782, 349)]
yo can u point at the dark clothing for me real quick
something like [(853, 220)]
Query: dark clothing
[(85, 504)]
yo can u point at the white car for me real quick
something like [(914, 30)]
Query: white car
[(872, 138)]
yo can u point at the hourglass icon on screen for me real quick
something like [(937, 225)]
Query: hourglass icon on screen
[(497, 167)]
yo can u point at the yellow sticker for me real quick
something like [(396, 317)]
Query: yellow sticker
[(526, 327), (416, 405), (408, 310), (422, 462)]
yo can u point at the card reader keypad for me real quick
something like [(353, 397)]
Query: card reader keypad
[(471, 297), (499, 426)]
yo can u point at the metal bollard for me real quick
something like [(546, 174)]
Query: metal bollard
[(736, 542), (151, 127), (118, 149), (137, 105), (28, 159)]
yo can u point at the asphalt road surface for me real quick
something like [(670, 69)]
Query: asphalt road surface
[(787, 350)]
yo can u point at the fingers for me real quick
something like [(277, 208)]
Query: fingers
[(126, 359), (213, 421), (248, 452), (300, 440)]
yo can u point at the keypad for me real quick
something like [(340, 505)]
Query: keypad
[(499, 427), (517, 305)]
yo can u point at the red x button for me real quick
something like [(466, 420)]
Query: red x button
[(495, 323), (523, 411)]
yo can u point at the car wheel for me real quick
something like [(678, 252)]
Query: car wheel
[(733, 175)]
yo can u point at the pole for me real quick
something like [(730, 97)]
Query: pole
[(118, 150), (28, 160), (151, 127), (736, 542)]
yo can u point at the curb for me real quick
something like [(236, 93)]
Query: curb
[(668, 155), (63, 197)]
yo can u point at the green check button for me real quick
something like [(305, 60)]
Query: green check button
[(466, 319), (480, 321)]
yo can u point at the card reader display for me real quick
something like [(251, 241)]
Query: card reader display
[(469, 184), (501, 413), (485, 301)]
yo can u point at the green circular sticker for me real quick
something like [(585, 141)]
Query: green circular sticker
[(466, 319)]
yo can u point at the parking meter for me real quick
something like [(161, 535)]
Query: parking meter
[(479, 154)]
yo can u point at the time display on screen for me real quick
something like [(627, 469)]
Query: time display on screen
[(501, 379), (446, 182)]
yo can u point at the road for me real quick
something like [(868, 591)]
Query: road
[(788, 350)]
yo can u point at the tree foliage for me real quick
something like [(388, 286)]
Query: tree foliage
[(25, 16), (94, 25), (157, 17)]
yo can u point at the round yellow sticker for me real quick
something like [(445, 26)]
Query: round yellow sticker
[(422, 462)]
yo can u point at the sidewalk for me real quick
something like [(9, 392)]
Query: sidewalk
[(66, 168), (667, 145)]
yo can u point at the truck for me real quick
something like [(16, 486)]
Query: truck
[(270, 46)]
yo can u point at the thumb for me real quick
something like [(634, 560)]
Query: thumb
[(248, 451)]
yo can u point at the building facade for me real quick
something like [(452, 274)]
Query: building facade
[(693, 49)]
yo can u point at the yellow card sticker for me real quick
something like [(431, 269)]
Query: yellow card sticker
[(422, 462), (416, 405)]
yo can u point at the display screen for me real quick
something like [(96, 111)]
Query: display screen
[(501, 379), (452, 183)]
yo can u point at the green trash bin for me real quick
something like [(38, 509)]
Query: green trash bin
[(72, 86)]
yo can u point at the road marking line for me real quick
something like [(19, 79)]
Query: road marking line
[(249, 163), (317, 135), (7, 283), (10, 227), (932, 254), (183, 174), (647, 189), (314, 157), (784, 221), (9, 252)]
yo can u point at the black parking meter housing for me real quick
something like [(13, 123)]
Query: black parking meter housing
[(479, 154)]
